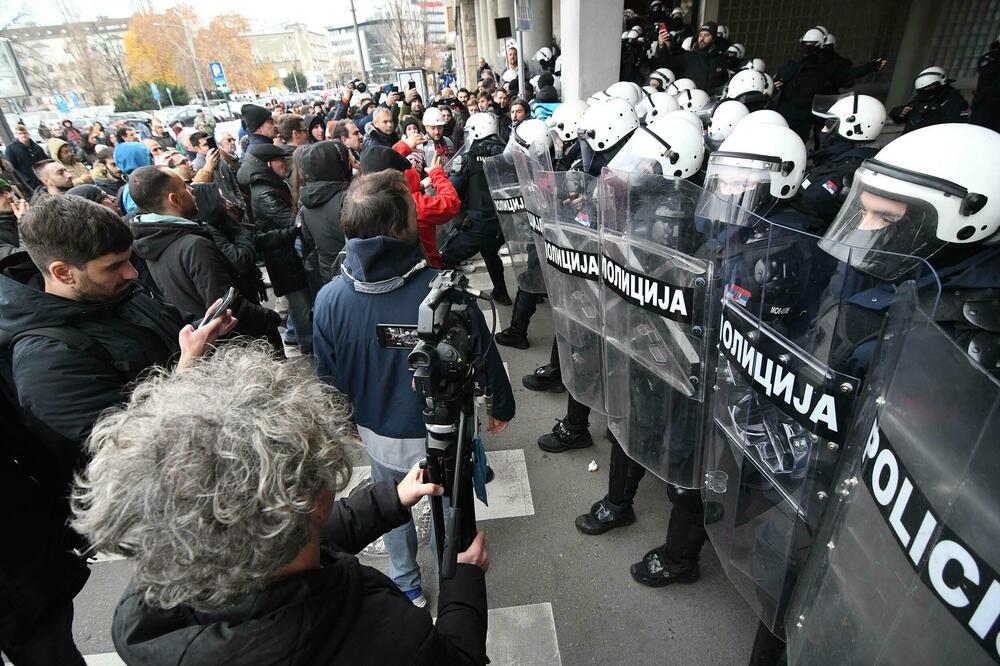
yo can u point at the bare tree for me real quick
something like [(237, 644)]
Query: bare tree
[(403, 33), (112, 55)]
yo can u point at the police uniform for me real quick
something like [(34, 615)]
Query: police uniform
[(932, 106), (480, 231), (826, 185)]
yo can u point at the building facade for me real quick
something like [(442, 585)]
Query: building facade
[(71, 65), (295, 47)]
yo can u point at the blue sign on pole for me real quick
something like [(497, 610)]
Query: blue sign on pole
[(73, 97), (153, 88), (61, 104), (218, 75)]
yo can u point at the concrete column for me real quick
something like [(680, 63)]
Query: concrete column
[(470, 41), (505, 8), (556, 15), (541, 28), (481, 33), (591, 50), (492, 46), (921, 23)]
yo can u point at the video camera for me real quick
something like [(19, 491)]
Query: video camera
[(447, 375)]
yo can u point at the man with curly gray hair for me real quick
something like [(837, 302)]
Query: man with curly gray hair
[(219, 484)]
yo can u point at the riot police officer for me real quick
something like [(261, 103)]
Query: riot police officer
[(815, 73), (531, 137), (853, 123), (935, 101), (604, 129), (481, 231), (986, 99), (928, 196)]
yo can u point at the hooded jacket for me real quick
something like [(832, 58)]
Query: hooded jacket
[(310, 120), (342, 613), (77, 169), (271, 201), (63, 390), (191, 271), (383, 281), (320, 202)]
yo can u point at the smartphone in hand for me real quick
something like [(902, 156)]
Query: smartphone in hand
[(227, 299)]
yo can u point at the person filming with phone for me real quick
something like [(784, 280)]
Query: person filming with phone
[(78, 330)]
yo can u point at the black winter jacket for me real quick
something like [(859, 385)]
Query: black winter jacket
[(191, 271), (10, 240), (470, 181), (63, 390), (343, 613), (707, 68), (322, 233), (23, 158), (932, 106), (234, 239), (271, 201)]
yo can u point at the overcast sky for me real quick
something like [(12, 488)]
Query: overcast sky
[(263, 14)]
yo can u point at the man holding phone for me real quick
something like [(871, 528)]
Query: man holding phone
[(12, 207), (82, 332), (185, 263)]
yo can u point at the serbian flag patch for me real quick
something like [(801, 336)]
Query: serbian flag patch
[(738, 294)]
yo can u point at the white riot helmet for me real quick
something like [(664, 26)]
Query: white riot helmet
[(757, 64), (649, 90), (722, 31), (928, 188), (724, 119), (688, 43), (737, 51), (830, 41), (855, 117), (822, 29), (656, 105), (685, 84), (433, 117), (532, 137), (669, 146), (479, 126), (666, 74), (932, 76), (750, 170), (693, 100), (626, 90), (764, 117), (508, 75), (543, 54), (690, 117), (746, 82), (565, 120), (606, 123), (769, 84), (814, 36), (558, 69), (598, 96)]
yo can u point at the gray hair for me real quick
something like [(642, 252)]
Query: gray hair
[(381, 111), (207, 478)]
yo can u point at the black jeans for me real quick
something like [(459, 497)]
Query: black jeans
[(483, 237), (52, 641)]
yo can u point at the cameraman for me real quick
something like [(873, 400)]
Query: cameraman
[(218, 484), (384, 278)]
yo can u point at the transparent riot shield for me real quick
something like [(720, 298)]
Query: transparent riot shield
[(572, 244), (660, 303), (529, 177), (907, 568), (509, 203), (796, 327)]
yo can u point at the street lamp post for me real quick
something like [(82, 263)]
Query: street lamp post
[(190, 47)]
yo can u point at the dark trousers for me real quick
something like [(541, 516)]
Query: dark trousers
[(484, 238), (525, 305), (52, 641), (686, 533)]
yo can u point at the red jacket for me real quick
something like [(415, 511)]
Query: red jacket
[(432, 210)]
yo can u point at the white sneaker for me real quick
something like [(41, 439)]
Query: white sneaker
[(417, 597)]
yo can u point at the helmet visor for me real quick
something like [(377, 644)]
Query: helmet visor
[(882, 232), (735, 189)]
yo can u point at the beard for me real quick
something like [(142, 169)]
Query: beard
[(88, 291)]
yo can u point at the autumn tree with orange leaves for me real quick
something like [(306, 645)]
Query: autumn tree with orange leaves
[(156, 49)]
